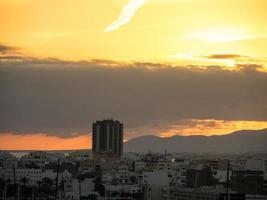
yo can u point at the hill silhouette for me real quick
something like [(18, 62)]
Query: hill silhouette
[(236, 142)]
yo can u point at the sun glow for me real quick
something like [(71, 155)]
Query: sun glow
[(145, 30), (210, 127), (219, 35)]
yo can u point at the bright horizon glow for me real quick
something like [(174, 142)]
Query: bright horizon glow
[(42, 141), (210, 127), (219, 35)]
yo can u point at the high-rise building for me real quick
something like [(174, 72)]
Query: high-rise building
[(108, 138)]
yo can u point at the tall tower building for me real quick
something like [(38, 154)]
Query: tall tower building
[(108, 138)]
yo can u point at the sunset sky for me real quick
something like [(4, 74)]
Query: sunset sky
[(162, 67)]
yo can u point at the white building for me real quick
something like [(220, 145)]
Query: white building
[(131, 189), (75, 188), (51, 174), (31, 175), (254, 165), (163, 165), (238, 165), (156, 192), (256, 197), (204, 193), (139, 165), (221, 175), (159, 178)]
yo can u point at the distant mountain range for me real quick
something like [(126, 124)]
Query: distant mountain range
[(236, 142)]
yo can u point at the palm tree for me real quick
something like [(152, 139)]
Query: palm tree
[(11, 189), (2, 186), (46, 187), (24, 180), (8, 181), (2, 183), (80, 179), (47, 181), (39, 184)]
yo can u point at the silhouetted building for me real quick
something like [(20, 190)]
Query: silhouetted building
[(247, 181), (216, 164), (108, 138), (202, 177)]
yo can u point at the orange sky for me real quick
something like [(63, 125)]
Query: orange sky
[(225, 33), (145, 30), (40, 141)]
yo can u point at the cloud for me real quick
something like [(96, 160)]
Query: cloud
[(186, 127), (224, 56), (229, 60), (125, 16), (236, 57), (5, 49), (210, 127), (61, 98)]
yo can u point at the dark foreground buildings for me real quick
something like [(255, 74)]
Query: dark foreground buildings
[(198, 178), (248, 181), (107, 138)]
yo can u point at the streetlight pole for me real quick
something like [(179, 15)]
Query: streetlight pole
[(5, 191), (80, 190), (227, 180), (56, 191)]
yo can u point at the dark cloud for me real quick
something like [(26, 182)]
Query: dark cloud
[(249, 67), (224, 56), (238, 58), (59, 97), (5, 49)]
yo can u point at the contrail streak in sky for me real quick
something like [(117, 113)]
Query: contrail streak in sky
[(125, 16)]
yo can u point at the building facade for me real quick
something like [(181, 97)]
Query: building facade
[(107, 138), (204, 194)]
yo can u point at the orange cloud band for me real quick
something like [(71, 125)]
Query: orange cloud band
[(40, 141), (10, 141)]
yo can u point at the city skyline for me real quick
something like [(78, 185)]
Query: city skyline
[(133, 100), (163, 67)]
